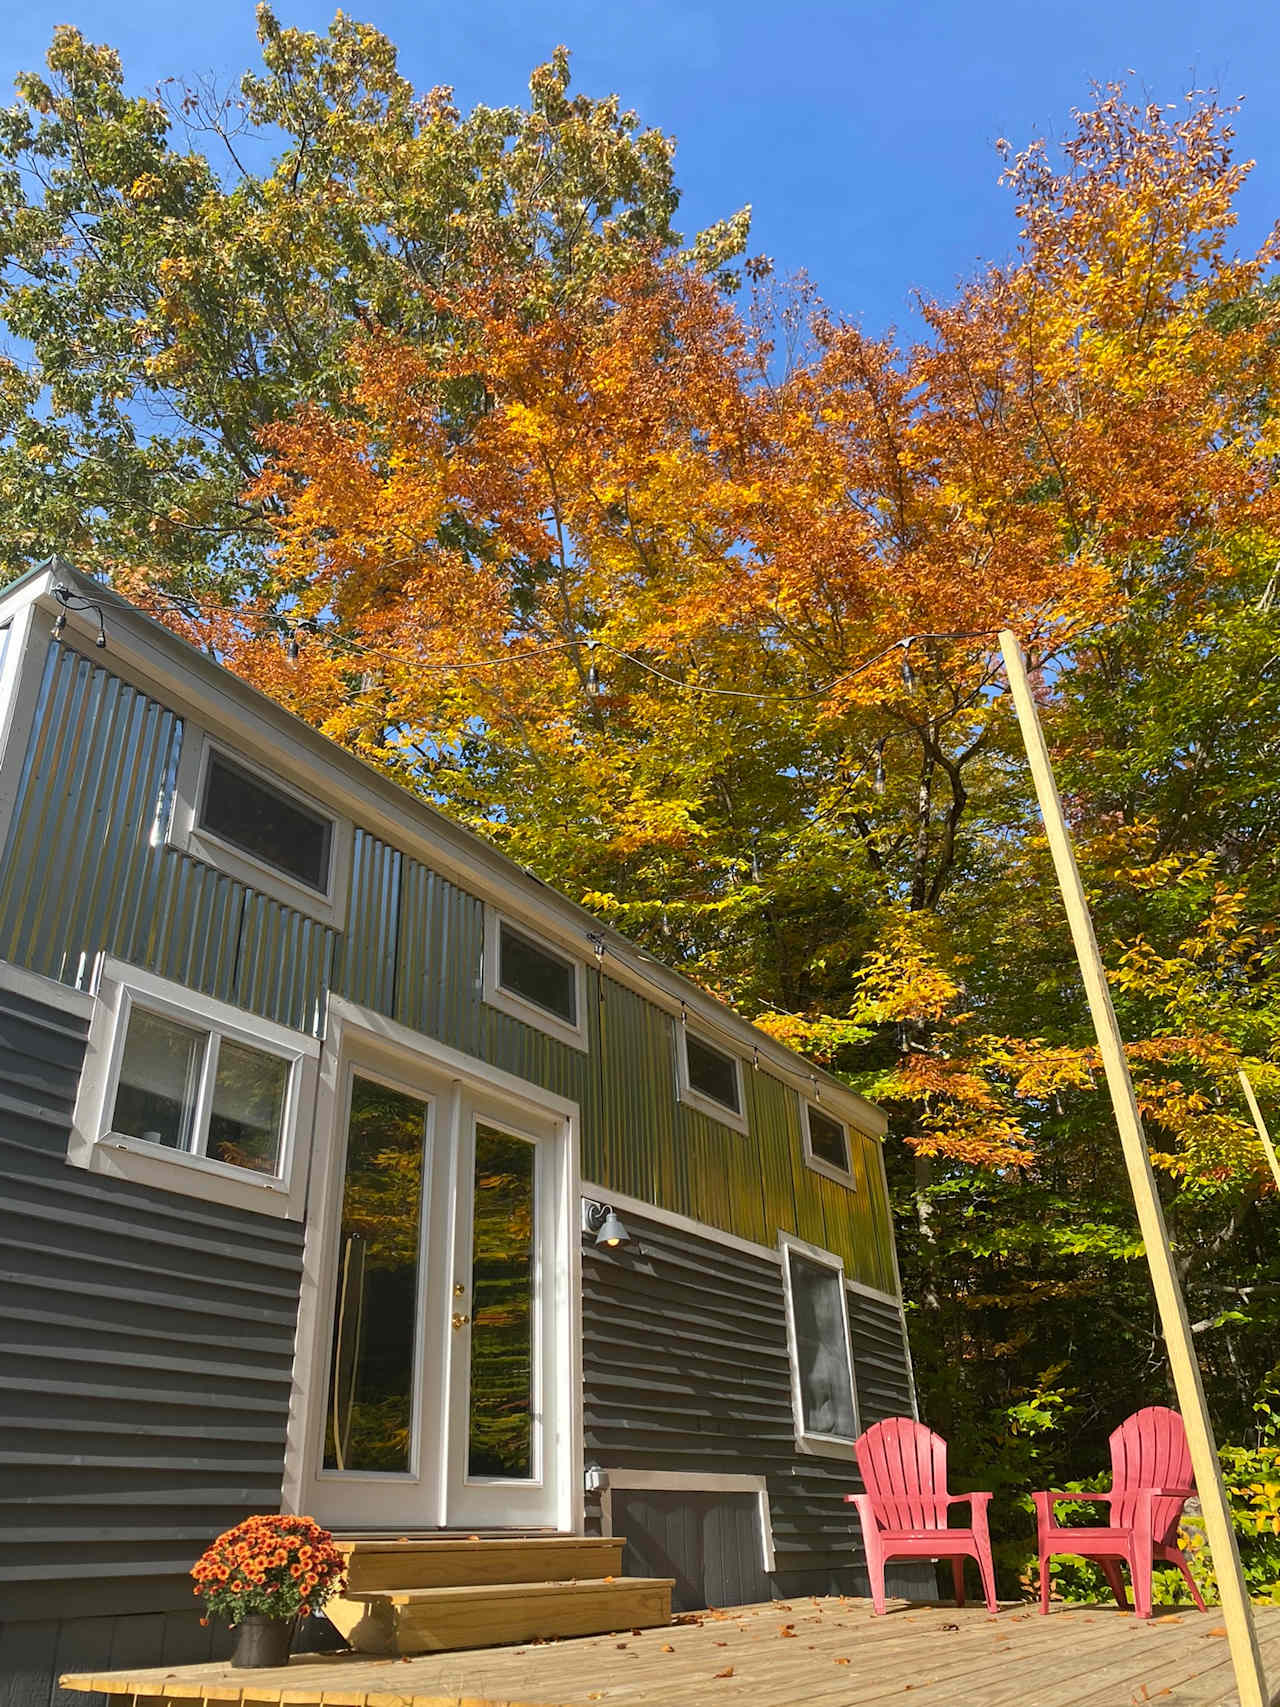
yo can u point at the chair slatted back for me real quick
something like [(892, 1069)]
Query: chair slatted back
[(899, 1460), (1149, 1450)]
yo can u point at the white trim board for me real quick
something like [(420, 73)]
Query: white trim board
[(694, 1482), (229, 709), (36, 987)]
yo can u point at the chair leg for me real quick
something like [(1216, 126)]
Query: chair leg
[(1141, 1570), (1191, 1584), (1115, 1576), (988, 1579), (875, 1571), (957, 1578), (1044, 1582)]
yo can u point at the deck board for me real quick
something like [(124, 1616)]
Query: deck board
[(934, 1656)]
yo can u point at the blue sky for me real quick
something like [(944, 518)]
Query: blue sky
[(862, 134)]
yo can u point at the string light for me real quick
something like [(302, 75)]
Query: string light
[(70, 600)]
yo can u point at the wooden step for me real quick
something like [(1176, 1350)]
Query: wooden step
[(454, 1561), (490, 1615)]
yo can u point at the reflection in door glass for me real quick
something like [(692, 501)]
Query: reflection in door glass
[(501, 1431), (375, 1309)]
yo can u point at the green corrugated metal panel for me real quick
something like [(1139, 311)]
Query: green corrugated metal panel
[(441, 938), (97, 787), (365, 967), (87, 868), (631, 1144), (286, 960), (192, 934), (774, 1111)]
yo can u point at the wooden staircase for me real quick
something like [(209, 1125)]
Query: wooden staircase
[(427, 1595)]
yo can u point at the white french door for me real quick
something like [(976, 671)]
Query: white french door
[(504, 1427), (440, 1391)]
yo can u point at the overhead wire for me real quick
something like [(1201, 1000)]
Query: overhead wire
[(592, 644)]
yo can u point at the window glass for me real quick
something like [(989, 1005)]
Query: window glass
[(247, 1116), (712, 1073), (526, 969), (271, 827), (375, 1318), (828, 1141), (159, 1078), (824, 1368), (502, 1294)]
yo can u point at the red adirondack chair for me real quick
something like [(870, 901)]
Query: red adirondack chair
[(905, 1507), (1151, 1481)]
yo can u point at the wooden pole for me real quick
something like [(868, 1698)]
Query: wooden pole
[(1268, 1147), (1237, 1613)]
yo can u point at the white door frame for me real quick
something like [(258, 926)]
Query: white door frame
[(392, 1051)]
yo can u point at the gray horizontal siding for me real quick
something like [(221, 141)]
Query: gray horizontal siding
[(686, 1369), (146, 1346)]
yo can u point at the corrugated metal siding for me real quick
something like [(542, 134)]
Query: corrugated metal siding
[(146, 1348), (686, 1369), (87, 869)]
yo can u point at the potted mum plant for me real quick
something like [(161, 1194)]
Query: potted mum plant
[(261, 1576)]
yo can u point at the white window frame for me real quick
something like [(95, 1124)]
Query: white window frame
[(187, 834), (93, 1145), (842, 1176), (507, 1001), (820, 1445), (695, 1098)]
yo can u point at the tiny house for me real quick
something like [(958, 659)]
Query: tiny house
[(349, 1168)]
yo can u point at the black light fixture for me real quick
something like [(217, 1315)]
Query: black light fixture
[(604, 1221)]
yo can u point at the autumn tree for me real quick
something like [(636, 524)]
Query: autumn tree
[(645, 622), (178, 269)]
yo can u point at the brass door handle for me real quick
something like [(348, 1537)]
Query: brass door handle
[(460, 1321)]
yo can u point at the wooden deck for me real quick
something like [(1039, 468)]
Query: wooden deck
[(805, 1653)]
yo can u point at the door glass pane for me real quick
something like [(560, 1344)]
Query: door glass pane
[(822, 1349), (248, 1108), (370, 1418), (501, 1426), (159, 1076)]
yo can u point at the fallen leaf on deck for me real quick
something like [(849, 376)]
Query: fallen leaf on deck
[(1218, 1630), (843, 1662), (666, 1648), (787, 1630), (727, 1672)]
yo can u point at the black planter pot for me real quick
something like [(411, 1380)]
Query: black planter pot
[(262, 1641)]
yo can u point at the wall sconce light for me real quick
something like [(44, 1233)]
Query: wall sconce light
[(604, 1222)]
